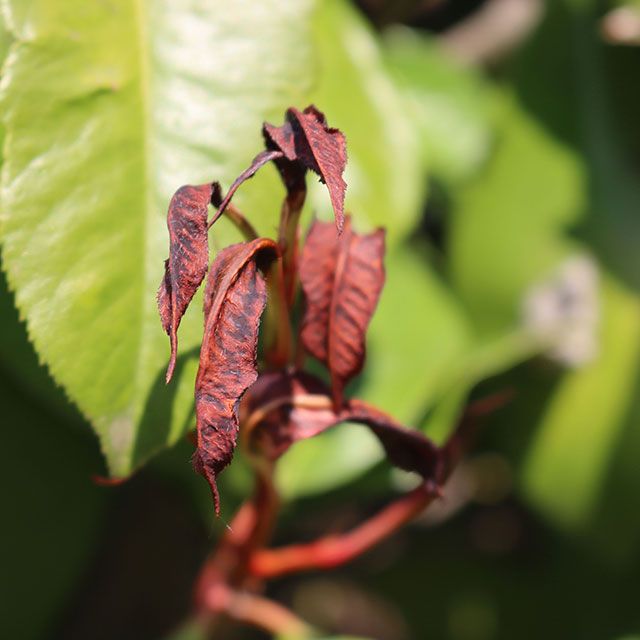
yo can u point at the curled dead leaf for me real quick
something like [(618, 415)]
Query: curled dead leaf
[(283, 408), (307, 142), (235, 297), (188, 259)]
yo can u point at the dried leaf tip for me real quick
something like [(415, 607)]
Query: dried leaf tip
[(188, 259), (308, 143)]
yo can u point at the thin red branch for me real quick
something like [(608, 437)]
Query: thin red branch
[(288, 239), (221, 566), (234, 214), (249, 530), (336, 550), (241, 223), (260, 160), (278, 337), (248, 608)]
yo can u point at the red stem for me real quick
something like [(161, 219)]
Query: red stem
[(278, 337), (288, 237), (241, 222), (233, 214), (249, 529), (260, 160), (336, 550), (255, 610)]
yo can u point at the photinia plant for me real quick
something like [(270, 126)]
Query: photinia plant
[(265, 395)]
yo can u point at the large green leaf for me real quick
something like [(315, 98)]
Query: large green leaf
[(568, 460), (19, 363), (511, 223), (107, 109), (450, 104), (579, 470)]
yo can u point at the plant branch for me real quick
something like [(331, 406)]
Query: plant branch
[(255, 610), (278, 322), (336, 550), (241, 222), (250, 528), (288, 238), (234, 214), (260, 160)]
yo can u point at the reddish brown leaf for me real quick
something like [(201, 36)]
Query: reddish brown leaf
[(188, 259), (342, 279), (282, 409), (305, 139), (235, 297)]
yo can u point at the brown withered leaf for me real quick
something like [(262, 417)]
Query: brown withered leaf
[(235, 297), (307, 141), (342, 278), (188, 259), (281, 409)]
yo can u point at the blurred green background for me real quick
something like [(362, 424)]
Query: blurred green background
[(498, 141)]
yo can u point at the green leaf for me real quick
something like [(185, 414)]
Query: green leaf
[(19, 363), (384, 178), (108, 108), (593, 411), (450, 104), (568, 460), (563, 77), (511, 223)]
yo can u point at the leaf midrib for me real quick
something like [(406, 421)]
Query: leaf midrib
[(144, 75)]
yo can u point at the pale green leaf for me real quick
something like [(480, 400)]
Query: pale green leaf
[(569, 458), (108, 108), (384, 177), (449, 104), (511, 223)]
